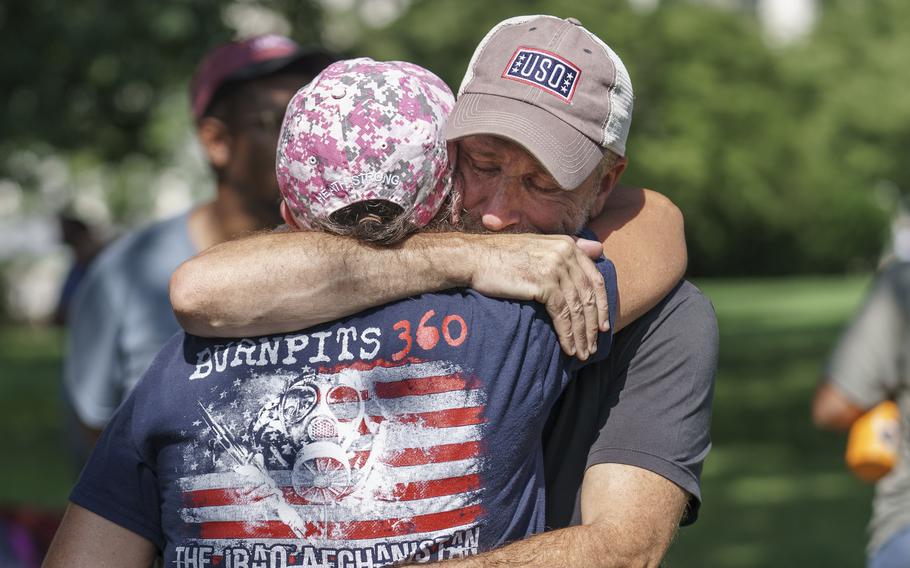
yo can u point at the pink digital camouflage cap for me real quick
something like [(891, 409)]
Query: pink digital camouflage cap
[(364, 130)]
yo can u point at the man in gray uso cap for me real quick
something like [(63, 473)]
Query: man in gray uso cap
[(540, 128)]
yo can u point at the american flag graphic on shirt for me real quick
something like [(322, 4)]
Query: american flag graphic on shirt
[(357, 465)]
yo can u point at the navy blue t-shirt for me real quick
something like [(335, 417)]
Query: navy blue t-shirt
[(409, 432)]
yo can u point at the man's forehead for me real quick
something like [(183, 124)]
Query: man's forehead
[(500, 148)]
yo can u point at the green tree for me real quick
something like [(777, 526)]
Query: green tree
[(96, 78), (724, 124)]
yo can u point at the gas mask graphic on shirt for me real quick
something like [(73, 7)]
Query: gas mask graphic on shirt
[(319, 428)]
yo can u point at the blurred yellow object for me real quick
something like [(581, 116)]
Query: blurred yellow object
[(872, 444)]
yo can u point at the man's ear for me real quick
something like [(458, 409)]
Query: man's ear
[(288, 216), (609, 181), (216, 141)]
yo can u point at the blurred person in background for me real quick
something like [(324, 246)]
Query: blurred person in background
[(122, 316), (870, 365), (84, 246), (625, 444)]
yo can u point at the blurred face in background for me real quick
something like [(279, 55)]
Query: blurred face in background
[(244, 155)]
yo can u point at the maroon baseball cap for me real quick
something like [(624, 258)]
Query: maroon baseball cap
[(248, 59)]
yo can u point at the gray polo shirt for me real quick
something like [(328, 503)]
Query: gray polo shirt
[(870, 365), (121, 316), (647, 405)]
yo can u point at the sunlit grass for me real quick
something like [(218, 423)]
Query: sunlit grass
[(35, 466), (776, 492)]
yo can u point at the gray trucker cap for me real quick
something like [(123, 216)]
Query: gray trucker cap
[(552, 87)]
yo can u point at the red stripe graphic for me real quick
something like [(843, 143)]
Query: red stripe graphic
[(446, 418), (399, 492), (425, 385), (435, 488), (356, 530), (450, 418), (435, 454)]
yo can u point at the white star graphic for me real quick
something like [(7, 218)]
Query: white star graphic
[(223, 394), (245, 437), (197, 423), (564, 89), (237, 382), (570, 76)]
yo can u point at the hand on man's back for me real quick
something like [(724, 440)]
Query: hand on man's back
[(554, 270)]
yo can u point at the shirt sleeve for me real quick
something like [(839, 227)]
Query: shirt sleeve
[(656, 413), (865, 363), (92, 370), (118, 483)]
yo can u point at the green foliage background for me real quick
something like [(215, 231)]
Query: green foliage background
[(776, 155)]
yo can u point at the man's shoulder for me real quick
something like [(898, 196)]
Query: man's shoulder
[(682, 326), (154, 238), (138, 246), (685, 308), (149, 245)]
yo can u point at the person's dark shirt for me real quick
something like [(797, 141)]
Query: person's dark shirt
[(647, 405)]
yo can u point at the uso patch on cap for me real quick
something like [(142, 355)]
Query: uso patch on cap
[(543, 69)]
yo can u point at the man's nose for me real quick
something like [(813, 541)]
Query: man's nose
[(501, 210)]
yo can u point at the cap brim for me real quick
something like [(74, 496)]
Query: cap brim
[(567, 154)]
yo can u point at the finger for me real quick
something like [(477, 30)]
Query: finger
[(574, 309), (562, 322), (592, 249), (579, 295), (600, 297)]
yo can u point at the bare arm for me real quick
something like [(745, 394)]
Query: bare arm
[(642, 233), (832, 410), (629, 517), (276, 283), (87, 540), (281, 282)]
